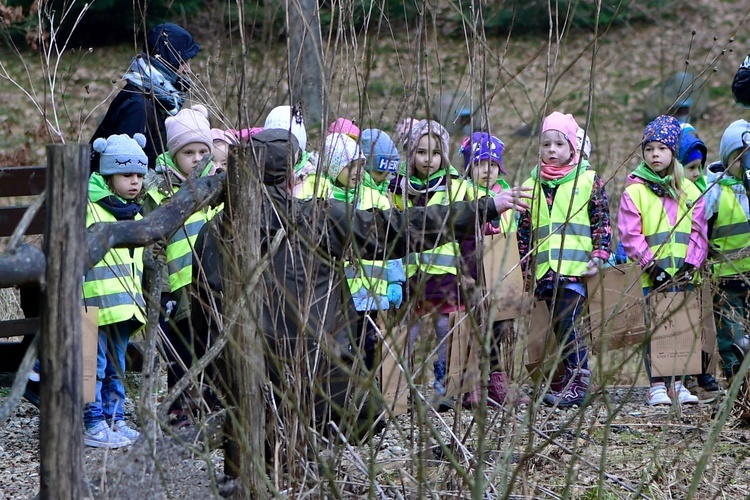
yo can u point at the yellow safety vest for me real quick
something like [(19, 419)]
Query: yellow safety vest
[(507, 219), (668, 243), (730, 235), (562, 237), (444, 259), (308, 188), (114, 284)]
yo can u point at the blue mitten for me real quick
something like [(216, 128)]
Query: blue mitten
[(395, 294)]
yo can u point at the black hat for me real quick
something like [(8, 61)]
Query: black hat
[(280, 149), (171, 43)]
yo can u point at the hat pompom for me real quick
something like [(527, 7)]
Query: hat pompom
[(200, 108), (140, 139), (100, 145)]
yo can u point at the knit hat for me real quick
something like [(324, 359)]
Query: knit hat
[(691, 146), (664, 129), (403, 131), (565, 124), (224, 135), (583, 146), (425, 127), (188, 126), (482, 146), (380, 151), (289, 119), (171, 43), (344, 126), (339, 150), (732, 140), (121, 154), (279, 149)]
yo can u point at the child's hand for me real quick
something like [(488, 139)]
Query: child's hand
[(685, 273), (513, 199), (593, 267)]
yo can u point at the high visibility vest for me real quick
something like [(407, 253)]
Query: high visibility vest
[(446, 258), (730, 235), (308, 190), (114, 284), (507, 221), (562, 237), (668, 243)]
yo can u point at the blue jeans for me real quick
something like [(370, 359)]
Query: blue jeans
[(568, 306), (110, 367)]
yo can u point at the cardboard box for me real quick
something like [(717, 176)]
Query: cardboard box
[(676, 338), (542, 347), (616, 309), (503, 278), (463, 371), (90, 332), (393, 383)]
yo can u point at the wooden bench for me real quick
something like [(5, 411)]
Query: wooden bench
[(18, 182)]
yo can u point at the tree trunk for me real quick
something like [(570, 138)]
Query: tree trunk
[(245, 362), (61, 430), (306, 66)]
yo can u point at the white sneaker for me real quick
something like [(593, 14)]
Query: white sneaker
[(685, 396), (101, 436), (122, 428), (657, 395)]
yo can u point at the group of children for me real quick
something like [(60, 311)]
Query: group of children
[(671, 217)]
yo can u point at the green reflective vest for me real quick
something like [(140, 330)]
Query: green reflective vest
[(730, 236), (562, 236), (668, 243), (308, 191), (114, 284)]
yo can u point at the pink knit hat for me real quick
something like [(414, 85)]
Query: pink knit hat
[(344, 126), (224, 135), (567, 126), (188, 126)]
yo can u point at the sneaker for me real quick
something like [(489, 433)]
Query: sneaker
[(575, 391), (101, 436), (34, 375), (704, 387), (657, 395), (121, 427), (683, 395)]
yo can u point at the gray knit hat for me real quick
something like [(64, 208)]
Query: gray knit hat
[(122, 154), (732, 140)]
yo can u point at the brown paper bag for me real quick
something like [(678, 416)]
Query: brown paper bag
[(502, 275), (90, 331), (675, 322), (542, 347), (392, 380), (463, 370), (710, 346), (616, 308)]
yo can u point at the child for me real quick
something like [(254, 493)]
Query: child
[(728, 212), (114, 286), (382, 159), (584, 145), (658, 201), (290, 119), (483, 162), (222, 140), (189, 139), (374, 284), (435, 275), (570, 206)]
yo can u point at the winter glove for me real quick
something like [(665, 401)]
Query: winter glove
[(685, 273), (659, 276), (741, 84), (593, 267), (395, 294)]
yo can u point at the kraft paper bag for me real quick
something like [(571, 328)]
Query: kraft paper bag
[(616, 308), (710, 347), (90, 330), (676, 338), (392, 380), (463, 371), (502, 275), (542, 346)]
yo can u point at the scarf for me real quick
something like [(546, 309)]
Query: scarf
[(369, 182), (340, 193), (729, 181), (102, 195), (700, 182), (493, 190), (657, 183), (168, 88), (570, 174)]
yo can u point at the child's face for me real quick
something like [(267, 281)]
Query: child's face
[(221, 152), (428, 157), (735, 165), (692, 170), (378, 175), (485, 173), (127, 186), (555, 148), (350, 176), (658, 157), (189, 156)]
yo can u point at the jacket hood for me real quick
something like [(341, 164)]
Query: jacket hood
[(172, 43)]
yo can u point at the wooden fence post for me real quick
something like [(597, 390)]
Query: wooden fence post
[(61, 419), (246, 426)]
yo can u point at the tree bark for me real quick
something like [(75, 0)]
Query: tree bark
[(306, 66), (23, 265), (61, 430), (245, 361)]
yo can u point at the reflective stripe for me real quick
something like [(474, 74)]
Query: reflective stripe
[(438, 259), (176, 265), (730, 238), (190, 229), (350, 272), (665, 236), (670, 262), (569, 228), (115, 299), (567, 254), (736, 229), (107, 271)]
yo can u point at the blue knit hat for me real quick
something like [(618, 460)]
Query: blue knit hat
[(380, 151), (664, 129), (691, 146), (121, 154)]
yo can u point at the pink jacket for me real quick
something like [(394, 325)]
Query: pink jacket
[(631, 234)]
